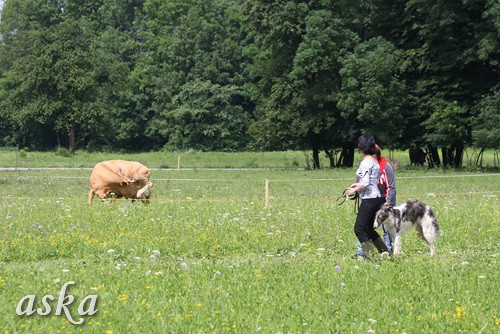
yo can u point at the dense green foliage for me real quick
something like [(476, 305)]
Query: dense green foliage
[(232, 75)]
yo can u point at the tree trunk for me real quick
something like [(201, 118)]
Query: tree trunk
[(444, 154), (346, 157), (433, 157), (451, 156), (314, 140), (331, 156), (479, 159), (316, 164), (458, 158), (72, 137)]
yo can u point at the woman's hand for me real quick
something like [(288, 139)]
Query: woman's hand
[(352, 190)]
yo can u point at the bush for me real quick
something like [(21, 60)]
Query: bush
[(64, 152), (23, 153)]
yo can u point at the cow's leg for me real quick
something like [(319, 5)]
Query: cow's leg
[(90, 197), (114, 196), (103, 193)]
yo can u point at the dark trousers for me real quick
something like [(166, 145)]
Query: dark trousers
[(363, 228)]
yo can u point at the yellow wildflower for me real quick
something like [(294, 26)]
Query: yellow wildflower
[(122, 298)]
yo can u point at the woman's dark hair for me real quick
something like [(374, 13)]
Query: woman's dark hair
[(378, 152), (366, 144)]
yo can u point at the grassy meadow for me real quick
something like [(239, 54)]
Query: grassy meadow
[(207, 256), (11, 157)]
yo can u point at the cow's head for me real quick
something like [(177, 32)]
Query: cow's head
[(145, 192)]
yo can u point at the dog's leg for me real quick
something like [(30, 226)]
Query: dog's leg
[(429, 234), (432, 248), (420, 232), (397, 245), (392, 232)]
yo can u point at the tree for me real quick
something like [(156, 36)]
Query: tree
[(315, 79), (299, 76), (125, 89), (448, 128), (450, 55), (197, 63), (372, 95), (486, 133), (207, 117), (254, 74), (51, 61)]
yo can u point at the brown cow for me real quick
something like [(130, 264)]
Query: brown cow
[(120, 178)]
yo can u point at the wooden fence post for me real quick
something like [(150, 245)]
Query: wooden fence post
[(267, 192)]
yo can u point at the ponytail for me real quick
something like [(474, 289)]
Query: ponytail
[(378, 152)]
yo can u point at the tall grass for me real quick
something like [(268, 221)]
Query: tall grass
[(206, 256)]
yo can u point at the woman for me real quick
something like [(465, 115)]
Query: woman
[(366, 187), (390, 197)]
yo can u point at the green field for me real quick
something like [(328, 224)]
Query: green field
[(206, 255), (195, 159)]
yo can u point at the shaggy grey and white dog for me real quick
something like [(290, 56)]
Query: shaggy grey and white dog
[(400, 219)]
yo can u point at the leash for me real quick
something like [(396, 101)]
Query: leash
[(342, 198)]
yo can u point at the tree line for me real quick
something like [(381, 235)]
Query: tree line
[(233, 75)]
